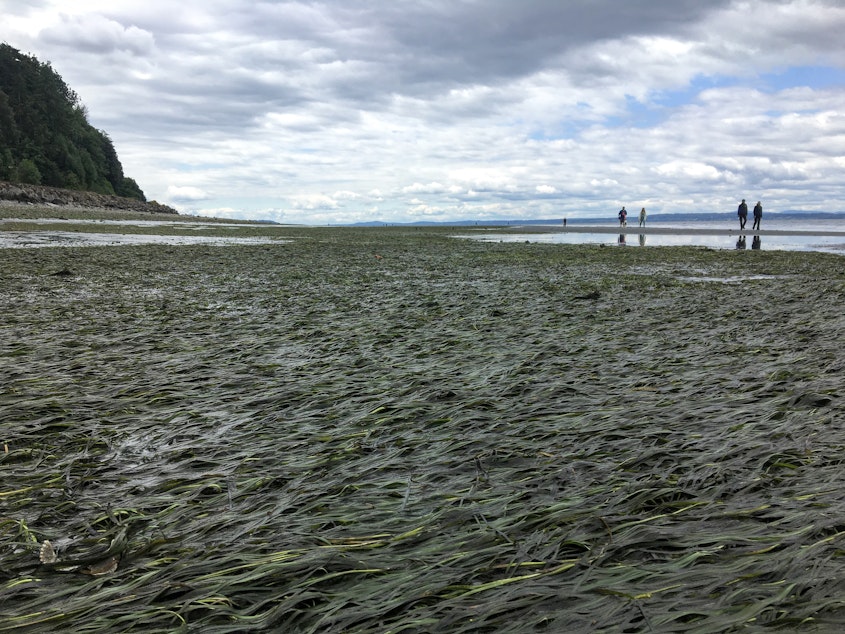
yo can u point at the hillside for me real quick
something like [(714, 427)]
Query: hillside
[(45, 137)]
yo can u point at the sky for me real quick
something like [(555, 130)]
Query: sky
[(342, 111)]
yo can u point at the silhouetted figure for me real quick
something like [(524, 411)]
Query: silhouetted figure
[(622, 239), (564, 222), (623, 217), (758, 215), (755, 242), (642, 240), (740, 244), (742, 212)]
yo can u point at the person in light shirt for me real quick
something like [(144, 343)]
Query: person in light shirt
[(758, 215)]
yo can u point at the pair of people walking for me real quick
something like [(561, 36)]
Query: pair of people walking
[(742, 212), (623, 217)]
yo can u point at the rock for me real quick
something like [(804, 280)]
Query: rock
[(593, 295), (810, 399), (43, 195)]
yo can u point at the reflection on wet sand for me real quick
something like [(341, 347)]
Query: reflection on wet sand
[(756, 243), (663, 236)]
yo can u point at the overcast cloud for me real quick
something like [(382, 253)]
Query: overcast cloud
[(348, 110)]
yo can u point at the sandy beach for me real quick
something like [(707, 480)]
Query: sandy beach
[(390, 429)]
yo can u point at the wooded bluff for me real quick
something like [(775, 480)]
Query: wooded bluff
[(45, 137)]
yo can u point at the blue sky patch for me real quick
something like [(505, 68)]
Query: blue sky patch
[(818, 77)]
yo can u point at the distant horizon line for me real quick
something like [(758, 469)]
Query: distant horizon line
[(692, 215)]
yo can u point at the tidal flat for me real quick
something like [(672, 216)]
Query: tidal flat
[(393, 430)]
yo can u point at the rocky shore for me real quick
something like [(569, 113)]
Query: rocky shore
[(43, 195)]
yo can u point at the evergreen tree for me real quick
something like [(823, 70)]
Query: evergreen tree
[(45, 136)]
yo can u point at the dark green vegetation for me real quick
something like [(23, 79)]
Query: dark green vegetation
[(452, 437), (45, 137)]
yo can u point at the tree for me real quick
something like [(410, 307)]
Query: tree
[(7, 164), (43, 122), (128, 188), (28, 172)]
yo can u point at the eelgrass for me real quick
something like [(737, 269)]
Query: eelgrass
[(452, 436)]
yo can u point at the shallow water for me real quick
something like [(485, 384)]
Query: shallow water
[(36, 239), (824, 243), (191, 224)]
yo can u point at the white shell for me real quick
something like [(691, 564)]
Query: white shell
[(47, 555)]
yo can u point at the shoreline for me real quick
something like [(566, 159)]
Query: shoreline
[(45, 195)]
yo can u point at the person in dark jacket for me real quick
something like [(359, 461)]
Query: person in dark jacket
[(758, 215), (742, 212)]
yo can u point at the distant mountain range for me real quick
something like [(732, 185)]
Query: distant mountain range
[(677, 217)]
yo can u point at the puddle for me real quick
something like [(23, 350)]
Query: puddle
[(735, 279), (134, 223), (826, 243), (30, 240)]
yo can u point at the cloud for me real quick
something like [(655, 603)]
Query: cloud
[(311, 202), (419, 188), (98, 35), (186, 194), (328, 110)]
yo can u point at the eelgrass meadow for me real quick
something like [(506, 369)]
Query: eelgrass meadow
[(390, 430)]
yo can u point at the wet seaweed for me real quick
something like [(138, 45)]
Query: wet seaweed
[(452, 436)]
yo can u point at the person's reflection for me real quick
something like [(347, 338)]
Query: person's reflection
[(755, 242), (642, 239), (622, 239), (740, 244)]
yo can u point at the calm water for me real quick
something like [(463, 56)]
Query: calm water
[(835, 244)]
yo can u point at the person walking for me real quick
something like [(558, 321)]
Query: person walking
[(623, 217), (758, 215), (742, 212), (642, 217)]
